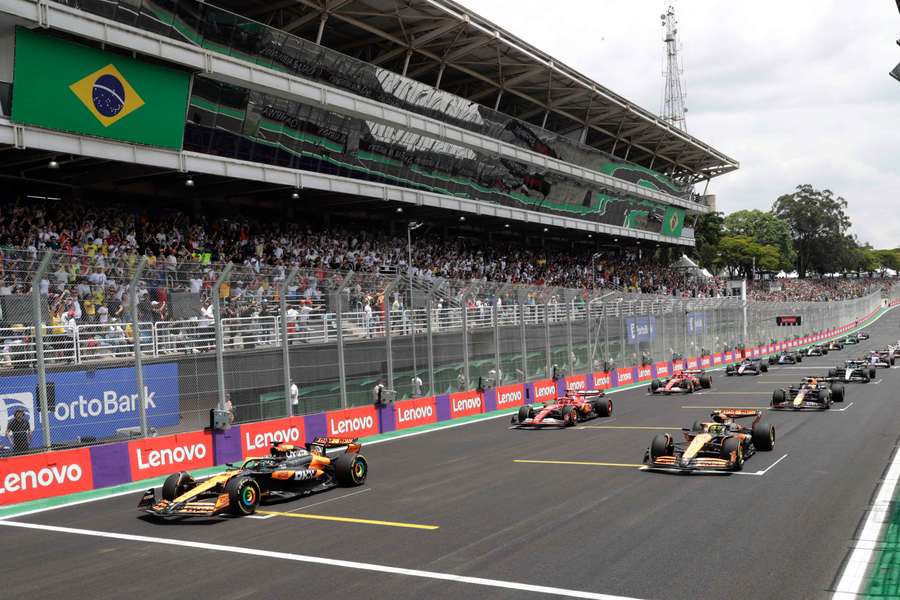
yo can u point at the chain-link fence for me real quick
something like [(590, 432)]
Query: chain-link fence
[(263, 343)]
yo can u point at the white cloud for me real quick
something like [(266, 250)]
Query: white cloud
[(798, 91)]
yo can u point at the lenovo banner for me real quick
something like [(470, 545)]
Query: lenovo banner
[(645, 373), (677, 365), (602, 380), (625, 376), (153, 457), (463, 404), (576, 382), (412, 413), (729, 357), (692, 363), (717, 358), (44, 475), (257, 438), (544, 391), (705, 362), (662, 369), (361, 421)]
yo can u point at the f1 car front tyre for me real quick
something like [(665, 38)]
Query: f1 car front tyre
[(733, 445), (832, 372), (824, 398), (705, 382), (871, 372), (799, 358), (763, 436), (837, 392), (569, 416), (662, 445), (655, 385), (243, 496), (778, 396), (525, 412), (351, 469), (176, 484), (764, 367)]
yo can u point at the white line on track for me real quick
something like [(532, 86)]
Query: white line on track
[(305, 506), (764, 471), (876, 382), (853, 578), (842, 409), (320, 561)]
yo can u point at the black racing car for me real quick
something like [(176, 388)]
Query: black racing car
[(288, 472), (858, 371), (812, 393), (749, 366), (786, 358)]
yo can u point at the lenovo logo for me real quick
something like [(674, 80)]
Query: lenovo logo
[(414, 414), (466, 404), (351, 425), (266, 439), (49, 476), (170, 456)]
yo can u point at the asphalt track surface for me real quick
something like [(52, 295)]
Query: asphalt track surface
[(781, 529)]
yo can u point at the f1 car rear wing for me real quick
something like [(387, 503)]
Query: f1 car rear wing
[(736, 413), (694, 371), (320, 444)]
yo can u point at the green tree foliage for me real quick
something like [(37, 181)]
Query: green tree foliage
[(707, 233), (818, 225), (738, 253), (765, 229)]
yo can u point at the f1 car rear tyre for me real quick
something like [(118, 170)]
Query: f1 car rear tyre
[(176, 484), (871, 372), (525, 412), (705, 382), (662, 445), (655, 385), (891, 362), (602, 407), (763, 436), (824, 351), (837, 392), (799, 358), (832, 372), (243, 496), (764, 367), (733, 445), (569, 416), (778, 396), (350, 469)]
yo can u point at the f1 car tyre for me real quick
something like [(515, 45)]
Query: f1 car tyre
[(243, 496), (729, 370), (662, 445), (824, 351), (763, 436), (525, 412), (764, 367), (705, 381), (891, 362), (871, 372), (799, 358), (772, 360), (350, 469), (778, 397), (176, 484), (569, 415), (832, 372), (824, 398), (837, 393), (602, 407), (733, 445), (698, 426), (655, 385)]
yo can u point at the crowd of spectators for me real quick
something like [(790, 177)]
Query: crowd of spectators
[(828, 289)]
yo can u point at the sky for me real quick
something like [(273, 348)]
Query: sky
[(797, 91)]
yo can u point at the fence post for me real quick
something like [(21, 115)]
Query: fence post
[(495, 317), (220, 334), (467, 293), (569, 296), (429, 306), (338, 321), (548, 351), (388, 333), (285, 350), (523, 333), (136, 333), (37, 315)]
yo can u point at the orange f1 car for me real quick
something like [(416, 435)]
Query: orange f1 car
[(684, 381), (286, 473), (575, 406), (721, 444)]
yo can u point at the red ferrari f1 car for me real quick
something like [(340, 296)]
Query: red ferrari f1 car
[(575, 406), (682, 382)]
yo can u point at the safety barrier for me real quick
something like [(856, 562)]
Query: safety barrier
[(37, 476)]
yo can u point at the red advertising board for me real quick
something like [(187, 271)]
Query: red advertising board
[(412, 413), (152, 457), (677, 365), (463, 404), (645, 373), (729, 357), (692, 363), (662, 369), (625, 376), (717, 358), (576, 382), (257, 438), (602, 380), (44, 475), (705, 362), (361, 421), (544, 391)]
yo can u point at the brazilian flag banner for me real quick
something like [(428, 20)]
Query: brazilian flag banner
[(673, 222), (70, 87)]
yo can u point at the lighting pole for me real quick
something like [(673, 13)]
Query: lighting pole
[(594, 268), (410, 227)]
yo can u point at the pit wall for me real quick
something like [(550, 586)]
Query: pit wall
[(50, 474)]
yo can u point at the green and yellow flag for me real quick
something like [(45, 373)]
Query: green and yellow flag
[(673, 222), (75, 88)]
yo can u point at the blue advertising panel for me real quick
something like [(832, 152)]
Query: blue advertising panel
[(92, 403), (640, 329), (696, 322)]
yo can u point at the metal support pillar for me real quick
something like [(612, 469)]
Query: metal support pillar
[(495, 314), (464, 299), (37, 317), (548, 351), (524, 337), (388, 331), (285, 346), (338, 321), (220, 334), (321, 31), (138, 353)]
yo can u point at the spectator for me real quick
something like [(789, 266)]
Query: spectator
[(295, 398), (18, 430)]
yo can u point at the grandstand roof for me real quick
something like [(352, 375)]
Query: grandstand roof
[(441, 43)]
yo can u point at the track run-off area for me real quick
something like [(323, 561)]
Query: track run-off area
[(479, 510)]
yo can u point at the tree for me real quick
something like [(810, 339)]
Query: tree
[(738, 253), (707, 233), (818, 226), (889, 259), (765, 229)]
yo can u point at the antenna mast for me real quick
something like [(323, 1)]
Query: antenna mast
[(673, 110)]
